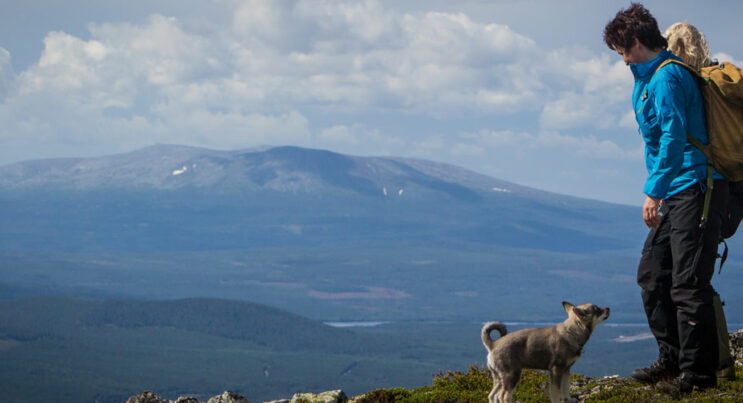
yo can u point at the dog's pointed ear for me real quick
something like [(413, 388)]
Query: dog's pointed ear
[(580, 312), (568, 306)]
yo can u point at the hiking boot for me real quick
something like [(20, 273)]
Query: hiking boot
[(687, 382), (727, 373), (655, 373)]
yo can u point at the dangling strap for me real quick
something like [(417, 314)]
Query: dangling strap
[(708, 194), (724, 255), (710, 178)]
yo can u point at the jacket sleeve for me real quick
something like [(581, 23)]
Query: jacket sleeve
[(669, 103)]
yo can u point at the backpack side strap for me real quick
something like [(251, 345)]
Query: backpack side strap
[(710, 177)]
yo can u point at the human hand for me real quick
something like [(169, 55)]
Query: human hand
[(650, 211)]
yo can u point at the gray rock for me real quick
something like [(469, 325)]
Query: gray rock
[(146, 397), (184, 399), (228, 397), (332, 396), (736, 346)]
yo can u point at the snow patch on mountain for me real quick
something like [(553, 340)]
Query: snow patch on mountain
[(180, 171)]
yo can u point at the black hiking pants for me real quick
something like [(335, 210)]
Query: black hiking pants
[(675, 271)]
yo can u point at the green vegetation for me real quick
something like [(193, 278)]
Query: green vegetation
[(474, 386), (69, 350), (455, 386)]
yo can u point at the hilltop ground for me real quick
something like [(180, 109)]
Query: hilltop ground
[(474, 386)]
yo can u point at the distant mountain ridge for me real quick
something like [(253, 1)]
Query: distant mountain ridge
[(280, 168), (285, 168), (280, 192)]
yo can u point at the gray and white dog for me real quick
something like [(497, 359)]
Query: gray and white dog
[(554, 348)]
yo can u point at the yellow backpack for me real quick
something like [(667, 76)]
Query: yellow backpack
[(721, 86), (722, 89)]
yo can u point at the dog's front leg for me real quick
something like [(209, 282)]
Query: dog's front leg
[(555, 385), (565, 388)]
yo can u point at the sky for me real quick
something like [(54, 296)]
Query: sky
[(520, 90)]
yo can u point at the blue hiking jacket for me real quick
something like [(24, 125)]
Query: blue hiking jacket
[(667, 104)]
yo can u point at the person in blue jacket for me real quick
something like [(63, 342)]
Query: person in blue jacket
[(678, 257)]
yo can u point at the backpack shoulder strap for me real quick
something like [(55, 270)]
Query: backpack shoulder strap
[(696, 142), (695, 73), (692, 70), (700, 79)]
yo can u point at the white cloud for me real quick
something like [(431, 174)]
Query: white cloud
[(467, 150), (596, 88), (584, 147), (67, 130), (205, 128), (339, 134), (161, 51), (170, 86), (596, 74), (359, 139), (724, 57), (337, 55), (628, 120), (122, 62), (428, 147), (360, 55), (7, 75), (499, 138), (570, 110), (451, 64)]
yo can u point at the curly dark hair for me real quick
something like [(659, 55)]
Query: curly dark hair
[(634, 22)]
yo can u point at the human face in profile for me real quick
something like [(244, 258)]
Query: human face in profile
[(637, 53)]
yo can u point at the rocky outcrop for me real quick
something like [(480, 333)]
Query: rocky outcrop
[(736, 346), (146, 397), (228, 397), (584, 388), (151, 397), (333, 396)]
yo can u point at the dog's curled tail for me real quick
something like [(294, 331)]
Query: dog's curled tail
[(489, 327)]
